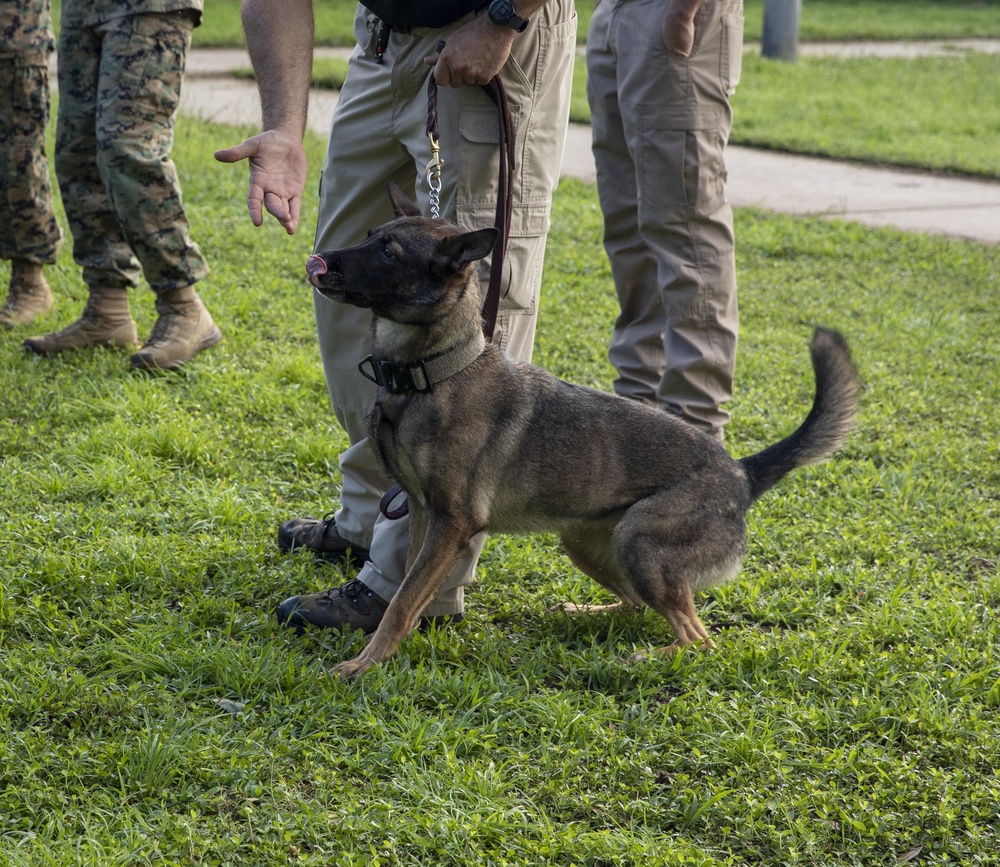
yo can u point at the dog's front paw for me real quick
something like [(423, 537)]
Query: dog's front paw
[(352, 668)]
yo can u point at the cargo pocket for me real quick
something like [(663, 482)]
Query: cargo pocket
[(475, 208), (731, 57), (681, 166)]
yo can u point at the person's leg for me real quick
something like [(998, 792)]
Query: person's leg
[(99, 247), (676, 117), (699, 284), (141, 72), (30, 236), (364, 153), (636, 348), (367, 148), (109, 268), (537, 80)]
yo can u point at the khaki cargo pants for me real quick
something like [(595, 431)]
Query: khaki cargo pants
[(377, 135), (660, 127)]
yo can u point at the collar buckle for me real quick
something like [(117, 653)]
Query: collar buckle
[(397, 378)]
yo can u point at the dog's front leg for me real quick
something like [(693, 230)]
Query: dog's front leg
[(444, 541)]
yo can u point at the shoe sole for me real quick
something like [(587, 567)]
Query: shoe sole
[(113, 344), (140, 362)]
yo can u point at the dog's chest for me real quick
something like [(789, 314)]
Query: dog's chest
[(390, 432)]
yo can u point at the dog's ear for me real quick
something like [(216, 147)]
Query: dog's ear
[(454, 252), (401, 206)]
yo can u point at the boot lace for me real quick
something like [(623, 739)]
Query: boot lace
[(166, 320), (350, 590)]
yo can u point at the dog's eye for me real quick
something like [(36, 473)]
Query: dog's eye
[(386, 254)]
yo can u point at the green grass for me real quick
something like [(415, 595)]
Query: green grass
[(152, 712), (823, 20), (939, 113), (328, 72)]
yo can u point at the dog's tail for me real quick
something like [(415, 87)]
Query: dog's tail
[(829, 421)]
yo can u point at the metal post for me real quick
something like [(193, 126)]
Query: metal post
[(781, 29)]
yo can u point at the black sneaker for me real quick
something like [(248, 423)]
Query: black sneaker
[(352, 605), (321, 538)]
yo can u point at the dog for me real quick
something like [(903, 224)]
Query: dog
[(646, 505)]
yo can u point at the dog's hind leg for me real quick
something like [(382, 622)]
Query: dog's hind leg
[(678, 608), (592, 552), (667, 550)]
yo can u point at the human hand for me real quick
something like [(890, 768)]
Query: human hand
[(677, 27), (474, 53), (278, 169)]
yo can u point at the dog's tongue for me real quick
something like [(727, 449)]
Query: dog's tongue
[(315, 267)]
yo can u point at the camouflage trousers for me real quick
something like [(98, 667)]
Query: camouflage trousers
[(119, 88), (28, 227)]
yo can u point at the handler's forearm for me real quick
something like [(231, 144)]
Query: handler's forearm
[(527, 8), (279, 36)]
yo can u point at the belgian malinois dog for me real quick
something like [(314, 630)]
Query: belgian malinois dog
[(646, 505)]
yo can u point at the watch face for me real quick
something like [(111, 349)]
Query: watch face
[(501, 10)]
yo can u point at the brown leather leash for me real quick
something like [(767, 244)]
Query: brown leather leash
[(505, 190), (504, 211)]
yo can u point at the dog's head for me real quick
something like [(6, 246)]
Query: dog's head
[(410, 270)]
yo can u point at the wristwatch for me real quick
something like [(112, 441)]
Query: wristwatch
[(502, 12)]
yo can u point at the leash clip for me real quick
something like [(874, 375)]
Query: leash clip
[(433, 167), (433, 172)]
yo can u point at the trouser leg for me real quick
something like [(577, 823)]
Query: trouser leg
[(122, 87), (675, 119), (99, 247), (636, 349), (29, 231)]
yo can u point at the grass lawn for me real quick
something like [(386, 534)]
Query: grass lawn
[(940, 113), (152, 712)]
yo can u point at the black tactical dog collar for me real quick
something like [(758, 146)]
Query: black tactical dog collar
[(420, 377)]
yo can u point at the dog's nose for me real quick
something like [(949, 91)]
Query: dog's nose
[(315, 267)]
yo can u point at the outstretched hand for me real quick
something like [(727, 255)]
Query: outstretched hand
[(278, 169)]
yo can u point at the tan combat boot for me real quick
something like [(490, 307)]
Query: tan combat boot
[(184, 328), (29, 294), (105, 321)]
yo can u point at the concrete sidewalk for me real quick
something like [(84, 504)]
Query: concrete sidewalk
[(786, 183)]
